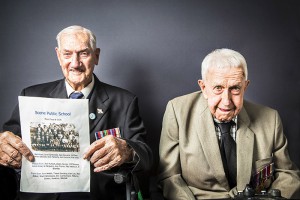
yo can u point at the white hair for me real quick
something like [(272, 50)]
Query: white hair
[(223, 58), (74, 29)]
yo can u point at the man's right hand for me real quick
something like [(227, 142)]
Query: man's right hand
[(11, 150)]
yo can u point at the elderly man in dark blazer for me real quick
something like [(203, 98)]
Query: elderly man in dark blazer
[(109, 107), (201, 159)]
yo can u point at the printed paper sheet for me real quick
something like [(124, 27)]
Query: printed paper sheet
[(57, 133)]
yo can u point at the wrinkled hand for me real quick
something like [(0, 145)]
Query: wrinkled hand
[(108, 152), (11, 150)]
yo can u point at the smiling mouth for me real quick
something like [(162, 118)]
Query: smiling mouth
[(225, 110), (76, 70)]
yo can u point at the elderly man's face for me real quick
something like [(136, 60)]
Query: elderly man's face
[(224, 90), (77, 59)]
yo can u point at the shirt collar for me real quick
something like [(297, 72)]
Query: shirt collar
[(85, 91)]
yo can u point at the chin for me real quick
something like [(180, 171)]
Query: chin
[(76, 80), (224, 118)]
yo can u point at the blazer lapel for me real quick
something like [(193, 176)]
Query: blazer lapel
[(59, 91), (245, 145), (97, 108), (209, 142)]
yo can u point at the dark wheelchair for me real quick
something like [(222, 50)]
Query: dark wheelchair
[(132, 188)]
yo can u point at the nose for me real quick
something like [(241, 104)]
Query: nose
[(75, 62), (226, 97)]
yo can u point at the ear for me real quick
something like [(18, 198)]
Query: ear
[(247, 82), (97, 55), (203, 88), (58, 54)]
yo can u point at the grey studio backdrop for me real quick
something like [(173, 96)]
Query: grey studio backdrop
[(155, 50)]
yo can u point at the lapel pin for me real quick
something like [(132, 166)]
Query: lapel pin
[(92, 116), (99, 111)]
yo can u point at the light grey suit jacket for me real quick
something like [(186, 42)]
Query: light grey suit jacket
[(190, 160)]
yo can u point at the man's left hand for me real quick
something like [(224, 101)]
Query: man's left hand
[(108, 152)]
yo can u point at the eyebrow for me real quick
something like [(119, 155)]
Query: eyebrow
[(217, 84), (214, 84), (76, 51)]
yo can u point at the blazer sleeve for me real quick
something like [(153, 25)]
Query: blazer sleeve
[(170, 179), (13, 124), (286, 173), (135, 136)]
